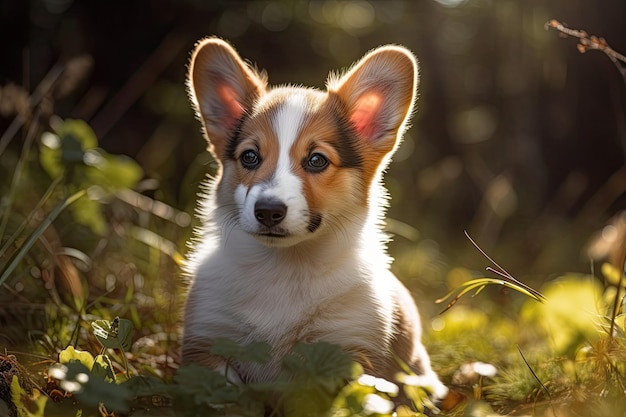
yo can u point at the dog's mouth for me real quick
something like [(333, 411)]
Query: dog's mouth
[(277, 233), (273, 233)]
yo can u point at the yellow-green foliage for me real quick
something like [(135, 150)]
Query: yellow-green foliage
[(571, 315), (559, 353), (27, 405)]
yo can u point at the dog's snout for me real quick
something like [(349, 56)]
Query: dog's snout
[(270, 212)]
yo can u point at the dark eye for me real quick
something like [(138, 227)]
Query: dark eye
[(250, 159), (316, 163)]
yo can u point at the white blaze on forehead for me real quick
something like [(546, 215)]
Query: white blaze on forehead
[(284, 185), (287, 123), (288, 120)]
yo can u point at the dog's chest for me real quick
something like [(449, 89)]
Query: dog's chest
[(286, 301), (272, 300), (270, 311)]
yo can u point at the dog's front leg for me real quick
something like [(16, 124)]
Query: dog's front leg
[(198, 353)]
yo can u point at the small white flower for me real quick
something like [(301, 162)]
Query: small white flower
[(70, 386), (82, 378), (380, 384), (375, 404), (57, 371), (367, 380), (50, 140), (485, 369), (387, 387), (470, 373)]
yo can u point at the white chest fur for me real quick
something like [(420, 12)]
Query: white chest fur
[(269, 291), (282, 297)]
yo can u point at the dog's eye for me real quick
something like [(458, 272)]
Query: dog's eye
[(250, 159), (316, 163)]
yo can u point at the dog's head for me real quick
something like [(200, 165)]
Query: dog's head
[(296, 161)]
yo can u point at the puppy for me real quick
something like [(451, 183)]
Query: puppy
[(291, 249)]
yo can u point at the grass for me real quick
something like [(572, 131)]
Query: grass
[(90, 298)]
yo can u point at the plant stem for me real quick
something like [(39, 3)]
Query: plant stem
[(30, 216), (622, 266), (38, 232)]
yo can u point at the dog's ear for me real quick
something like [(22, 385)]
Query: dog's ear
[(222, 88), (378, 93)]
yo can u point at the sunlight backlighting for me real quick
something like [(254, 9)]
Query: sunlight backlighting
[(450, 3)]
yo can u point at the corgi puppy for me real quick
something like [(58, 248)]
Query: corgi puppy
[(291, 248)]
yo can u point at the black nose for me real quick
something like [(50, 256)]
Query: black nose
[(270, 212)]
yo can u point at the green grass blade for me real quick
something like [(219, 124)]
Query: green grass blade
[(543, 387), (17, 176), (480, 284), (38, 232), (158, 242), (503, 272), (28, 218)]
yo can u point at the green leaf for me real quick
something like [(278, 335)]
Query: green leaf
[(91, 392), (112, 172), (74, 143), (72, 152), (79, 131), (96, 391), (147, 386), (87, 212), (351, 398), (70, 355), (50, 155), (114, 334), (419, 397), (312, 375), (571, 314), (73, 149), (27, 405), (201, 390), (613, 275), (103, 368), (257, 352), (66, 147), (323, 361)]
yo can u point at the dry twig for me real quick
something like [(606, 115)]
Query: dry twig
[(587, 42)]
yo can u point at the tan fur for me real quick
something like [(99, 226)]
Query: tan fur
[(321, 273)]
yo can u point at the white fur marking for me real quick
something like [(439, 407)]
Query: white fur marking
[(288, 121), (240, 194), (286, 186)]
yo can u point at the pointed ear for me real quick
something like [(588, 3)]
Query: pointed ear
[(378, 93), (222, 88)]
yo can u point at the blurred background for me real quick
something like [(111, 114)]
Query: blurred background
[(518, 139)]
